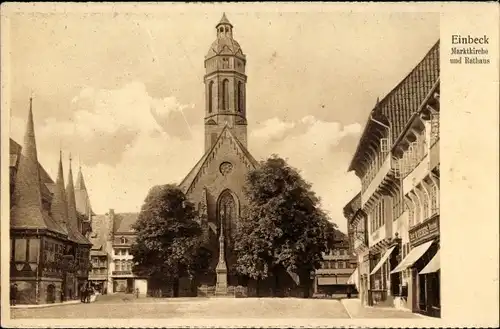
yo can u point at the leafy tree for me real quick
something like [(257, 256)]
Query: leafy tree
[(169, 240), (283, 226)]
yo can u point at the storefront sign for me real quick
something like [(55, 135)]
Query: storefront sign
[(424, 231)]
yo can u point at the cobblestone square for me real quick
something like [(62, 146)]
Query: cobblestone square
[(126, 307)]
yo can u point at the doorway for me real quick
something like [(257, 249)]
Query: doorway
[(51, 294)]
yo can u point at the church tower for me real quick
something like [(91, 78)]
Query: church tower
[(225, 86)]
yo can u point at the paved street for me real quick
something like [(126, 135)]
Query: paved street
[(127, 307)]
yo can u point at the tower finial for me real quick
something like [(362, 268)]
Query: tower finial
[(224, 20)]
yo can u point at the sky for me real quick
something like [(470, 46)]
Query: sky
[(124, 93)]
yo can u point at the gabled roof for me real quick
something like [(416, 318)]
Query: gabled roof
[(405, 99), (188, 180), (123, 222)]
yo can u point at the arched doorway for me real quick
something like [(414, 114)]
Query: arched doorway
[(227, 215), (51, 293)]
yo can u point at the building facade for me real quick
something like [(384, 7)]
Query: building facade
[(112, 236), (397, 161), (337, 267), (358, 243), (49, 257)]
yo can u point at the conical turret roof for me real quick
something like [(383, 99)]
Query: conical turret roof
[(73, 231), (27, 211), (224, 20), (59, 208)]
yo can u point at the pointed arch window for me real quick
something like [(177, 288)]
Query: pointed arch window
[(225, 95), (241, 97), (227, 212), (210, 96)]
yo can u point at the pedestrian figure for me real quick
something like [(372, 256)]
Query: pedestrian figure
[(137, 293), (13, 294), (83, 293), (89, 292)]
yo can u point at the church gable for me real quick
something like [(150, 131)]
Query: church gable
[(226, 154)]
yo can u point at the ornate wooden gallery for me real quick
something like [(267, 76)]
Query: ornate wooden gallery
[(49, 255), (397, 160)]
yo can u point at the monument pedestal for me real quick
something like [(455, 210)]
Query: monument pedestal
[(221, 285)]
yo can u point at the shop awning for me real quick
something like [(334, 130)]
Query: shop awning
[(433, 266), (354, 278), (382, 260), (412, 257)]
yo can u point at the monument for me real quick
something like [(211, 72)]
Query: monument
[(221, 269)]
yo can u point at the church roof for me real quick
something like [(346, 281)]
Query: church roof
[(225, 45), (188, 180)]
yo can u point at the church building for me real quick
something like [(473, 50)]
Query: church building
[(215, 184)]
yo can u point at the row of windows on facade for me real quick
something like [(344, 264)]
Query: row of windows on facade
[(99, 262), (121, 251), (333, 264), (23, 250), (338, 252), (418, 209), (410, 159), (224, 96), (123, 265), (99, 271)]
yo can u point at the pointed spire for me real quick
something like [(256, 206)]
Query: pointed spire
[(224, 20), (59, 207), (80, 183), (70, 195), (27, 209)]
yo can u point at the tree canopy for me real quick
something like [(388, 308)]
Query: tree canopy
[(283, 224), (169, 240)]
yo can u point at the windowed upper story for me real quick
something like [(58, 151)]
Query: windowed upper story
[(376, 215), (123, 265), (99, 262), (121, 252), (375, 160)]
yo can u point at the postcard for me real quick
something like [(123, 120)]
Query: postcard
[(249, 165)]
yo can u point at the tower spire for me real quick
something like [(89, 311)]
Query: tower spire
[(27, 209), (59, 207)]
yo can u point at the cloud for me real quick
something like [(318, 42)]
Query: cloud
[(128, 143), (309, 149)]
